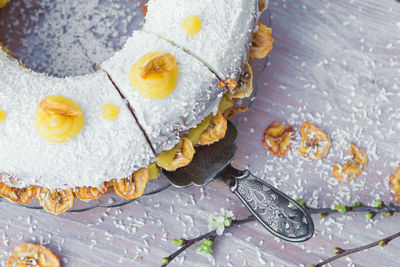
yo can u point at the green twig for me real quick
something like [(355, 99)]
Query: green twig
[(340, 253)]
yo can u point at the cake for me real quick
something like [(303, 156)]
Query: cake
[(226, 30), (161, 123), (170, 89)]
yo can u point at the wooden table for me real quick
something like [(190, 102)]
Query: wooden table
[(335, 63)]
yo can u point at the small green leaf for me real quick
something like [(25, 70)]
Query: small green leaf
[(338, 250), (389, 213), (378, 204), (179, 241), (301, 202), (322, 215), (382, 243), (208, 242), (369, 215), (165, 261), (341, 208), (357, 204)]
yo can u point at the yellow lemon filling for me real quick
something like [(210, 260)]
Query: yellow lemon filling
[(154, 75), (191, 25), (154, 173), (110, 112), (3, 115), (167, 158), (58, 119)]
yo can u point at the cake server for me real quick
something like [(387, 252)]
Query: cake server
[(277, 212)]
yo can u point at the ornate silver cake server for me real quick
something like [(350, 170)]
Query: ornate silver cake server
[(277, 212)]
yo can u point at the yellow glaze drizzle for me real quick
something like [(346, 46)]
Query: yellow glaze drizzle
[(3, 115), (110, 112), (191, 25)]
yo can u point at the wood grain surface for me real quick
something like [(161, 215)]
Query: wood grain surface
[(335, 63)]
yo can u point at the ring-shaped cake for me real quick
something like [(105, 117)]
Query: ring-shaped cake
[(171, 88)]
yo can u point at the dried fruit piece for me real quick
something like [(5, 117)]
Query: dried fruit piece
[(89, 192), (56, 201), (233, 111), (277, 138), (315, 143), (155, 75), (359, 155), (195, 133), (163, 62), (215, 131), (179, 156), (18, 195), (134, 186), (59, 119), (245, 86), (353, 167), (394, 183), (346, 172), (3, 3), (262, 5), (262, 42), (144, 9), (28, 254), (52, 106), (231, 84)]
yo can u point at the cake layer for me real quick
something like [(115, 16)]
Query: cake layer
[(225, 34), (195, 96), (102, 150)]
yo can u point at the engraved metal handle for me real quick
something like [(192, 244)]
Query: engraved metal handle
[(277, 212)]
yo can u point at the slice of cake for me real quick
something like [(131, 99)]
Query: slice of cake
[(170, 91), (69, 132), (217, 32)]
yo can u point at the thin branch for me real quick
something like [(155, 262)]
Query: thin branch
[(211, 234), (383, 209), (372, 211), (343, 253)]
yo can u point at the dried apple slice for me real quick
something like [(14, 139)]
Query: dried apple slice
[(28, 254), (18, 195), (233, 111), (262, 5), (262, 42), (353, 167), (245, 85), (179, 156), (394, 183), (56, 201), (359, 155), (315, 143), (277, 138), (163, 62), (346, 172), (134, 186), (231, 85), (215, 131), (89, 192)]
